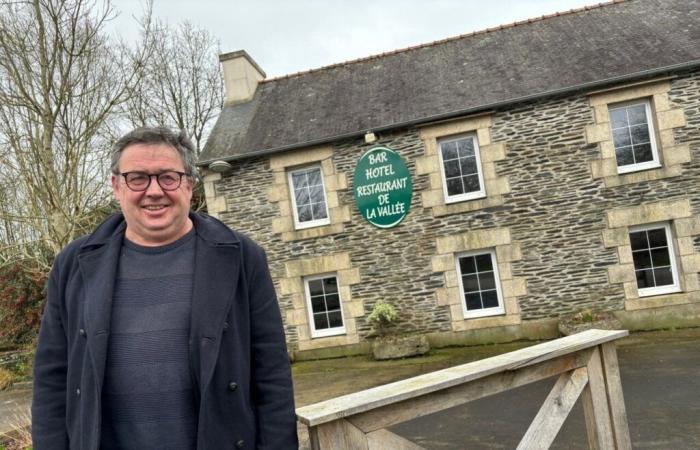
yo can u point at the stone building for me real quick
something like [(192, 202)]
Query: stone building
[(555, 168)]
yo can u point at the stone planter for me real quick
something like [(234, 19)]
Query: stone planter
[(393, 347), (576, 324)]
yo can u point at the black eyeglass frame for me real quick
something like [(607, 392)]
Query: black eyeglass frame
[(150, 179)]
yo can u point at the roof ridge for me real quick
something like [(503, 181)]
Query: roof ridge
[(445, 40)]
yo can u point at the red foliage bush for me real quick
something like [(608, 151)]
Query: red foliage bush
[(22, 297)]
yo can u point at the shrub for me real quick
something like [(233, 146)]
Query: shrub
[(22, 295), (383, 316), (587, 316)]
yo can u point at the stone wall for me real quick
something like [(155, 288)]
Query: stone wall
[(552, 204)]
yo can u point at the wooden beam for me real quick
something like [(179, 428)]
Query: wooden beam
[(616, 401), (554, 411), (399, 391), (337, 435), (595, 406), (385, 440), (389, 415)]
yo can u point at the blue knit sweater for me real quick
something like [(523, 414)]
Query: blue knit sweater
[(147, 398)]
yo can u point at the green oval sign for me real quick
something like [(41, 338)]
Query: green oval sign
[(382, 187)]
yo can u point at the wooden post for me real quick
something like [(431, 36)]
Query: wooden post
[(595, 406), (616, 402), (337, 435)]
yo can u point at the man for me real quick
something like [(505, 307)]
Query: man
[(162, 329)]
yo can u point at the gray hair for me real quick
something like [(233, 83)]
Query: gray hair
[(153, 136)]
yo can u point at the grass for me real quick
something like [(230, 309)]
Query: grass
[(7, 377), (20, 438)]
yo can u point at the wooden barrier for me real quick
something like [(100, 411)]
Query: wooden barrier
[(585, 362)]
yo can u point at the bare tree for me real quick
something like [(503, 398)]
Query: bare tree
[(61, 82), (182, 85)]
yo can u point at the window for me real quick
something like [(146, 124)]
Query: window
[(479, 284), (461, 169), (324, 307), (654, 260), (633, 137), (308, 197)]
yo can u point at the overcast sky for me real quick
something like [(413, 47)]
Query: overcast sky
[(287, 36)]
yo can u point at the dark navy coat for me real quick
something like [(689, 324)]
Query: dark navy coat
[(237, 349)]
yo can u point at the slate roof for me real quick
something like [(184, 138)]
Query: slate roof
[(493, 68)]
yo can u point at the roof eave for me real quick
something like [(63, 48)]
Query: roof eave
[(462, 112)]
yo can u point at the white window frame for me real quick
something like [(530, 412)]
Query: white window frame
[(310, 312), (655, 162), (295, 213), (477, 153), (484, 312), (660, 290)]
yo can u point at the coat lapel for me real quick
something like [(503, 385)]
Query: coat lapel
[(99, 270), (217, 267)]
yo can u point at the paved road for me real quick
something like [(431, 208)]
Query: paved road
[(661, 383)]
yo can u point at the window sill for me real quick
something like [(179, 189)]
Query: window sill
[(314, 224), (490, 312), (638, 168), (464, 198), (328, 333), (645, 293)]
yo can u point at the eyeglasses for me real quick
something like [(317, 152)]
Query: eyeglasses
[(140, 181)]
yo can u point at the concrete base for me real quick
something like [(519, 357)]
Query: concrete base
[(680, 316), (363, 348), (527, 330)]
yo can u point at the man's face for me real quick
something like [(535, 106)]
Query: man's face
[(154, 216)]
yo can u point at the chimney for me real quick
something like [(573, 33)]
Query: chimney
[(241, 76)]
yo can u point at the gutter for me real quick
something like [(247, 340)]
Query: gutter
[(463, 112)]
